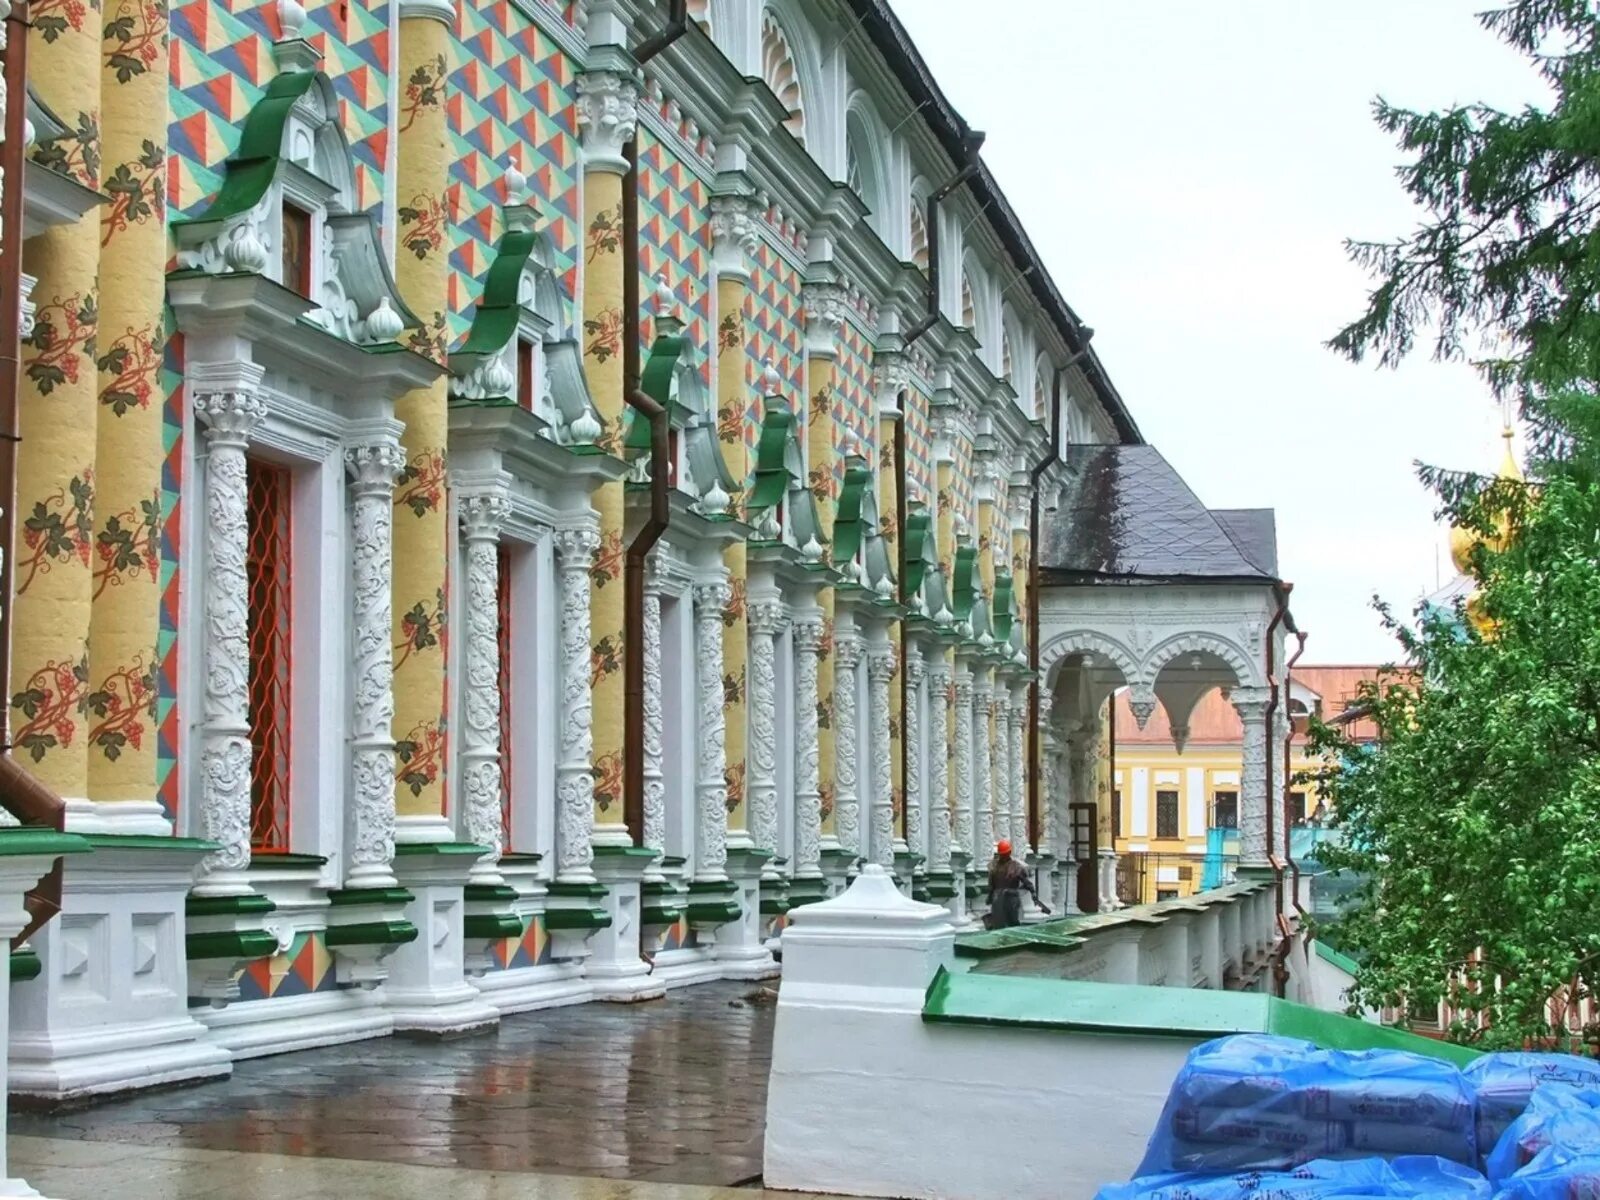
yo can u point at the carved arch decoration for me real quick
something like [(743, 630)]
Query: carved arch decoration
[(919, 225), (969, 307), (1054, 653), (866, 147), (781, 73), (1041, 387), (1246, 672)]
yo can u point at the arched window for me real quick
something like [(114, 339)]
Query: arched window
[(852, 170), (1041, 388), (1005, 355), (781, 74), (865, 170), (969, 311), (919, 231), (700, 14)]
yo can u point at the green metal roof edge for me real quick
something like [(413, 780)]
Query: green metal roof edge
[(655, 381), (494, 323), (771, 476), (1329, 955), (1004, 606), (1135, 1010), (249, 170), (963, 590), (847, 526)]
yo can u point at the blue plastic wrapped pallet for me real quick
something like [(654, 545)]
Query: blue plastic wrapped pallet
[(1255, 1102), (1560, 1124), (1322, 1179), (1503, 1083), (1576, 1179)]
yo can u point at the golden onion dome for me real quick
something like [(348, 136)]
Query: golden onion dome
[(1463, 540)]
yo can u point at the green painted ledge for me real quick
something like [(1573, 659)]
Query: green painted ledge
[(1331, 956), (25, 964), (1130, 1010), (16, 840), (418, 849), (149, 841), (1067, 933), (624, 852), (252, 904)]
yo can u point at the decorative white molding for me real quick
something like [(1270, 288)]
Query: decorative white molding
[(1019, 774), (825, 307), (373, 471), (711, 783), (654, 831), (912, 732), (807, 638), (608, 114), (228, 418), (962, 838), (575, 550), (766, 619), (1004, 814), (939, 781), (1254, 787), (881, 667), (846, 797), (482, 518), (982, 780), (443, 11)]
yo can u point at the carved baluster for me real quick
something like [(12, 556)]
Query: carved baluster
[(575, 549), (912, 721), (481, 519), (1019, 776), (1000, 763), (373, 471), (228, 418), (964, 833), (846, 804), (982, 784), (1254, 787), (654, 833), (938, 794), (711, 784), (765, 622), (880, 670), (807, 800)]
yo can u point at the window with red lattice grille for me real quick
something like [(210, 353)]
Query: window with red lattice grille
[(505, 696), (267, 573)]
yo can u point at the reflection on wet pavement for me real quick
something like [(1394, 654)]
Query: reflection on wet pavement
[(670, 1091)]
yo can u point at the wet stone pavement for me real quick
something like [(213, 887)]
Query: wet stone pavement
[(670, 1091)]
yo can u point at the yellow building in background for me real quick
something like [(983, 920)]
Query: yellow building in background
[(1175, 808)]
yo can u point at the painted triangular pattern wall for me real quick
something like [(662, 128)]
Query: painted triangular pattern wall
[(674, 244)]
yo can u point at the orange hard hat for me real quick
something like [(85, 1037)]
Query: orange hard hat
[(1003, 847)]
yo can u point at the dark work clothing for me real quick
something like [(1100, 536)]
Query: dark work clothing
[(1007, 878)]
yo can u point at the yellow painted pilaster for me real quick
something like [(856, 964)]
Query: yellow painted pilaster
[(986, 545), (58, 403), (605, 110), (820, 367), (889, 524), (421, 518), (733, 288), (125, 616)]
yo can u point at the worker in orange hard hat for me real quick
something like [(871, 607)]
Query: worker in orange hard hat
[(1007, 878)]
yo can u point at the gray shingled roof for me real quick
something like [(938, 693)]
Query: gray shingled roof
[(1126, 514)]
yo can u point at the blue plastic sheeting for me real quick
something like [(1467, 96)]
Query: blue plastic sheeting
[(1560, 1124), (1505, 1081), (1577, 1179), (1321, 1179), (1255, 1102)]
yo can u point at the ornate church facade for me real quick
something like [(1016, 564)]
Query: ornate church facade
[(514, 496)]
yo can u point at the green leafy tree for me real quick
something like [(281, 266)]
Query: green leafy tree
[(1474, 823)]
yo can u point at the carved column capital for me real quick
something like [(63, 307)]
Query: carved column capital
[(807, 634), (881, 664), (374, 468), (575, 548), (846, 650), (608, 114), (484, 515), (734, 233), (825, 306), (710, 599), (1251, 704), (229, 416), (766, 617)]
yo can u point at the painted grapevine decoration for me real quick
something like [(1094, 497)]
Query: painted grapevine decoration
[(56, 530), (137, 190), (133, 361), (128, 545), (134, 38), (422, 484), (62, 341), (49, 703), (75, 154), (122, 707), (422, 226), (424, 89)]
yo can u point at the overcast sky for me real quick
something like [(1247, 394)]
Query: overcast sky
[(1188, 171)]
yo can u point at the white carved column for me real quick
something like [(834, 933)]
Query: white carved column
[(880, 670), (711, 783), (982, 782), (481, 781), (373, 471), (964, 835), (807, 800), (654, 831), (937, 802), (228, 418), (1049, 819), (575, 549), (765, 621), (1000, 763), (1019, 771), (1254, 787), (911, 730), (846, 798)]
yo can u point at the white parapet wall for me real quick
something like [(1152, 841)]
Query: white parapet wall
[(895, 1074), (868, 1099)]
